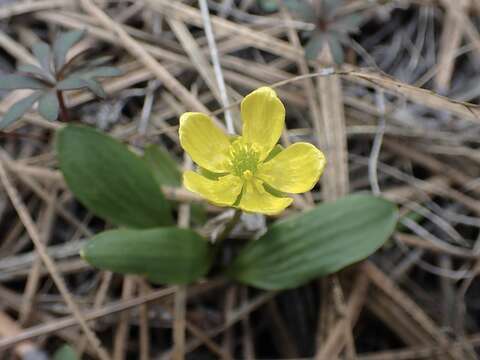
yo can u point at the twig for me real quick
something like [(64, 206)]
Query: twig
[(46, 223), (7, 11), (97, 303), (148, 60), (15, 49), (63, 323), (337, 337), (179, 324), (180, 305), (24, 350), (216, 63), (42, 251), (425, 327), (144, 326), (230, 298), (121, 334), (377, 144)]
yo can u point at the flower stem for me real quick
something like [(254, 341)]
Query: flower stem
[(228, 227), (63, 109)]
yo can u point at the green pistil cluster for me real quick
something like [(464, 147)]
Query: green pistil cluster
[(244, 159)]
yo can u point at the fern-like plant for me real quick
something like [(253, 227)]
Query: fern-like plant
[(53, 75), (331, 26)]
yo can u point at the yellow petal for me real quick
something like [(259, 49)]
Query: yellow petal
[(263, 117), (206, 144), (256, 199), (222, 192), (295, 170)]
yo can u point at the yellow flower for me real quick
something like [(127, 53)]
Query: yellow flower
[(249, 172)]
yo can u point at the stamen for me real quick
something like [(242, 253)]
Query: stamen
[(244, 159)]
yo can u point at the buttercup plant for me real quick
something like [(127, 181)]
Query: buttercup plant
[(249, 172)]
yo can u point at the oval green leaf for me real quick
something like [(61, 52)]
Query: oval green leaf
[(96, 88), (71, 83), (13, 82), (66, 352), (64, 42), (101, 71), (316, 243), (17, 110), (164, 167), (314, 45), (48, 106), (110, 180), (166, 171), (36, 70), (43, 54), (164, 255)]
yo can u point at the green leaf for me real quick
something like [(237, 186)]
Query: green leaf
[(43, 54), (63, 43), (412, 216), (110, 180), (316, 243), (164, 255), (35, 70), (96, 88), (18, 109), (48, 106), (336, 48), (102, 71), (166, 172), (100, 60), (348, 24), (13, 82), (314, 45), (198, 214), (302, 8), (164, 168), (78, 81), (268, 5), (72, 83), (66, 352), (330, 7)]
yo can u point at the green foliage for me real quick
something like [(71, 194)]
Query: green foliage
[(48, 106), (118, 185), (53, 76), (268, 5), (19, 108), (42, 53), (314, 45), (110, 180), (164, 255), (316, 243), (164, 168), (14, 82), (166, 171), (332, 28), (63, 43), (302, 9), (65, 352)]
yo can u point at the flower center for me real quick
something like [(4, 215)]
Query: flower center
[(244, 159)]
